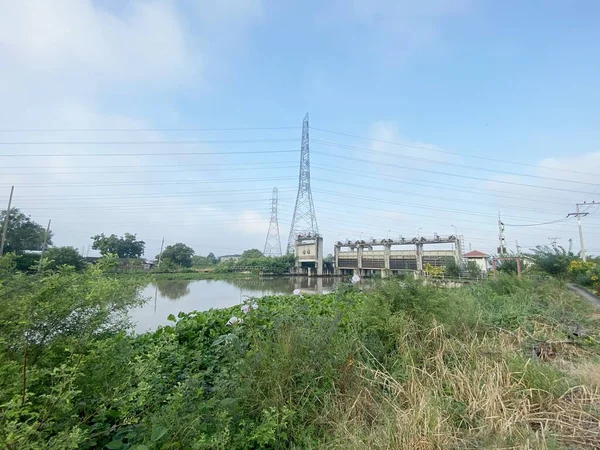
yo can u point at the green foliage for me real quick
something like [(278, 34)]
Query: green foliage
[(473, 269), (124, 247), (61, 256), (252, 254), (8, 264), (508, 266), (452, 269), (204, 261), (52, 326), (22, 233), (342, 370), (178, 254), (553, 261), (265, 264)]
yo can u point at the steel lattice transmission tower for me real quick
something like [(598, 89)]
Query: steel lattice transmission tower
[(305, 220), (273, 242)]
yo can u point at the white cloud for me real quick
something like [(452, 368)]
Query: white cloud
[(62, 62), (79, 38), (396, 28)]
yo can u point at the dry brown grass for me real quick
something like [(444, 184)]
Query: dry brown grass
[(463, 393)]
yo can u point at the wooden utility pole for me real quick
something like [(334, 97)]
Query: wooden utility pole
[(44, 245), (5, 226), (160, 254), (579, 215)]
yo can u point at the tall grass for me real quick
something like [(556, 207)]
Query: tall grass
[(500, 364)]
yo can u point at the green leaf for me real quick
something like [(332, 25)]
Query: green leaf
[(157, 433), (141, 447), (114, 444), (171, 318)]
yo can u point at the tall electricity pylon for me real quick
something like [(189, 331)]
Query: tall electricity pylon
[(273, 243), (304, 221)]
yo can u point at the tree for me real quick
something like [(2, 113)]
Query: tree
[(204, 261), (60, 256), (124, 247), (553, 261), (179, 254), (252, 253), (473, 269), (507, 266), (22, 233), (211, 258), (452, 269)]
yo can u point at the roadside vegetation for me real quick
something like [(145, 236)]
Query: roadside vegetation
[(499, 364)]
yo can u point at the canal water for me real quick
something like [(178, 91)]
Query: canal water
[(172, 296)]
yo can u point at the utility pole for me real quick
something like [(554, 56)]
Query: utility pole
[(579, 215), (570, 246), (5, 226), (161, 250), (44, 245), (501, 249), (553, 241), (518, 248)]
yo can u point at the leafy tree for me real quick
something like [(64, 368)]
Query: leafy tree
[(507, 266), (266, 264), (22, 233), (124, 247), (179, 254), (553, 261), (473, 269), (252, 253), (452, 269), (204, 261), (60, 256), (212, 259)]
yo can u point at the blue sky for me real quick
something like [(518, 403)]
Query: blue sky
[(512, 81)]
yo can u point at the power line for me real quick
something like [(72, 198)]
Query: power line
[(401, 144), (155, 142), (153, 171), (148, 130), (536, 224), (434, 184), (435, 197), (98, 155), (436, 172), (135, 183), (447, 163), (96, 166)]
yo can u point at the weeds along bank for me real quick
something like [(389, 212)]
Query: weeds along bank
[(502, 364)]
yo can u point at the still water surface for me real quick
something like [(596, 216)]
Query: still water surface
[(172, 296)]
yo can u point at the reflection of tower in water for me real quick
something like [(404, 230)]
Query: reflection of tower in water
[(309, 285)]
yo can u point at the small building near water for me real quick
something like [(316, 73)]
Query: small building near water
[(479, 258), (232, 258)]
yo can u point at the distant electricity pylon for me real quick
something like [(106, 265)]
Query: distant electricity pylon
[(304, 221), (273, 243)]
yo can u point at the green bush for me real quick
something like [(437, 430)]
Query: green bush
[(404, 365)]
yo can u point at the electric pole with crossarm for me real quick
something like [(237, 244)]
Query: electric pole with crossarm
[(579, 215)]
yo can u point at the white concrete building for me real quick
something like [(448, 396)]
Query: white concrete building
[(481, 259)]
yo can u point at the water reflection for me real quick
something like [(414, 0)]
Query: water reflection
[(173, 289), (284, 285), (172, 296)]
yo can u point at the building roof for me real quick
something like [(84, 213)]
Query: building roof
[(475, 254)]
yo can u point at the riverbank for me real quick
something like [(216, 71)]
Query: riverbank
[(504, 363)]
